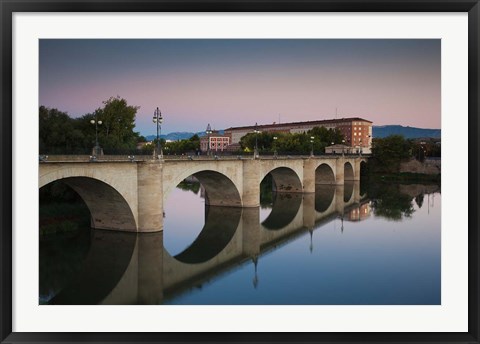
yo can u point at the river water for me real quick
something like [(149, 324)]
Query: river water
[(343, 245)]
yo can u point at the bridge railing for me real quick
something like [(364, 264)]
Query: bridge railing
[(132, 158)]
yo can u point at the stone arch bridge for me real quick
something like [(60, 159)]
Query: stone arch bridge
[(129, 195)]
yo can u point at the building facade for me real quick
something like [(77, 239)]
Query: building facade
[(214, 142), (357, 131)]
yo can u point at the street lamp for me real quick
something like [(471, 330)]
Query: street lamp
[(255, 153), (158, 119), (312, 138), (275, 147), (343, 147), (96, 150), (361, 147), (208, 132)]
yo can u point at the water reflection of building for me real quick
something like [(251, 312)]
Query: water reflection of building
[(359, 213)]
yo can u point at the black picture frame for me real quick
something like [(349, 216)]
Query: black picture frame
[(8, 7)]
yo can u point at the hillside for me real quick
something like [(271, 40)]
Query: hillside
[(407, 132)]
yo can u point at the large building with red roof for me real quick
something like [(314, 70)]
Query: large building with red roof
[(357, 131)]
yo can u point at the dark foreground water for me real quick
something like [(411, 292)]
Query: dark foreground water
[(339, 246)]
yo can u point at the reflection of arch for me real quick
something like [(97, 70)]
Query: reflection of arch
[(285, 208), (324, 195), (220, 226), (105, 265), (348, 191), (286, 180), (108, 208), (348, 171), (324, 175), (60, 260)]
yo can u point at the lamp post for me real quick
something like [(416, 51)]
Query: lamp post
[(208, 132), (312, 138), (275, 147), (343, 147), (96, 150), (255, 153), (158, 120), (360, 147)]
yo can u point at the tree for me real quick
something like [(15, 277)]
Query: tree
[(389, 152), (191, 145), (118, 122), (57, 133), (292, 143), (61, 134), (264, 141)]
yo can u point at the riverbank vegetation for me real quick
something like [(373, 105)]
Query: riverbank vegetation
[(61, 134), (389, 153)]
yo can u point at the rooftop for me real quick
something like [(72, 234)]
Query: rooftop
[(312, 123)]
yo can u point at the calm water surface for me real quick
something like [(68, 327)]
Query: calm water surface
[(338, 246)]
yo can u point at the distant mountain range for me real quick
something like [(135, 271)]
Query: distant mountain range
[(407, 132), (378, 131), (178, 135)]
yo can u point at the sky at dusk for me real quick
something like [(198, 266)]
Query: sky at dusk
[(231, 82)]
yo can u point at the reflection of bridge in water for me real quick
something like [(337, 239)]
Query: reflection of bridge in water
[(129, 268)]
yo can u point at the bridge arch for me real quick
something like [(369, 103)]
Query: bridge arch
[(324, 174), (114, 183), (108, 208), (285, 179), (348, 172), (221, 188), (363, 167)]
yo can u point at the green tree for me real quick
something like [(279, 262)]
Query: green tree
[(188, 146), (389, 152), (292, 143), (57, 133), (324, 137), (118, 121)]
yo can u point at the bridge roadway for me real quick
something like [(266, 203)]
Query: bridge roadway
[(128, 195), (134, 268)]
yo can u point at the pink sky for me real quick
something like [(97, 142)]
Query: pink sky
[(240, 82)]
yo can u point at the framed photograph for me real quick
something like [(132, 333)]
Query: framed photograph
[(239, 171)]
